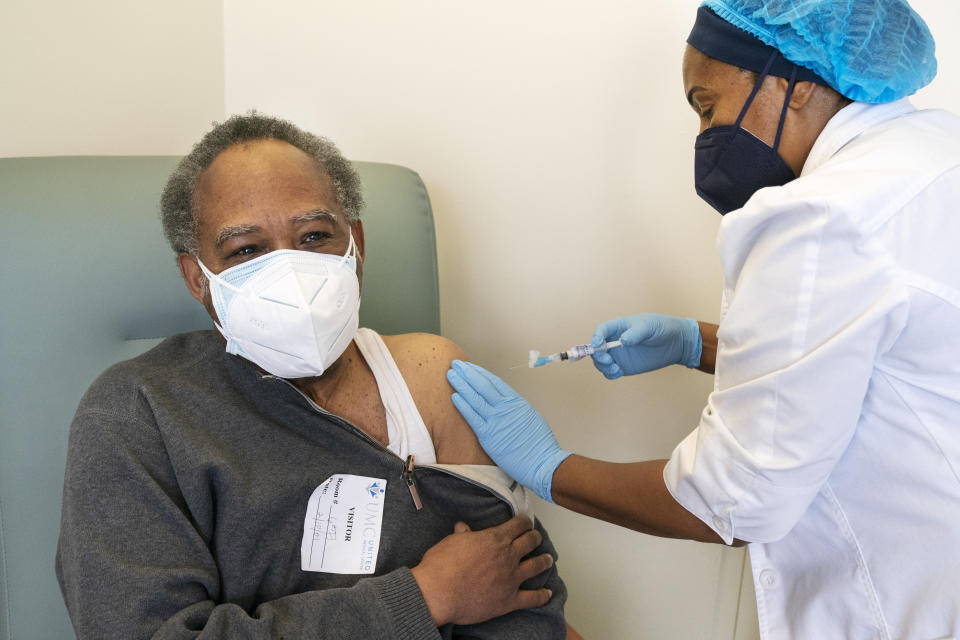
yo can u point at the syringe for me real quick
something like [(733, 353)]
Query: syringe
[(574, 353)]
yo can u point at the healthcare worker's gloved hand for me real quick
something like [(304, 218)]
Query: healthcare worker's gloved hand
[(649, 341), (509, 429)]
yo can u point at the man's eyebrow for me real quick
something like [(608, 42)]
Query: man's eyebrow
[(236, 230), (693, 90), (316, 214), (242, 229)]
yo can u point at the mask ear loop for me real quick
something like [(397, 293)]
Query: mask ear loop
[(352, 251), (355, 251), (756, 89), (212, 276), (786, 104)]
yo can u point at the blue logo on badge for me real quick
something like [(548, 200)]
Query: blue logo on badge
[(375, 490)]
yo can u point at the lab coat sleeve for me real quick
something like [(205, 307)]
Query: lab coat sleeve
[(811, 300), (132, 564)]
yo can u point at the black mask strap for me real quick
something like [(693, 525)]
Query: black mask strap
[(756, 89), (786, 103)]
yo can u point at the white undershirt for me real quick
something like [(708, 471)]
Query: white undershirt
[(408, 435), (406, 432)]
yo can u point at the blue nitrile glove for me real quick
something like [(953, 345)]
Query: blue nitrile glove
[(649, 341), (509, 429)]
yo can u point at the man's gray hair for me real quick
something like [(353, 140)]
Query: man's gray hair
[(176, 203)]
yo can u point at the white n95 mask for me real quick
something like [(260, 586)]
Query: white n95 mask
[(293, 313)]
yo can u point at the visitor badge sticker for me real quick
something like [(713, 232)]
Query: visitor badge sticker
[(341, 530)]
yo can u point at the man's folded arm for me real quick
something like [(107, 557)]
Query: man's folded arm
[(387, 606)]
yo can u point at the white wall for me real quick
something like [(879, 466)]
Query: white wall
[(557, 148), (108, 76), (942, 16)]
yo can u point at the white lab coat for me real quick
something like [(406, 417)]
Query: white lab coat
[(832, 438)]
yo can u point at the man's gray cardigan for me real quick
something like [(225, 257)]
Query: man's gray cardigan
[(187, 481)]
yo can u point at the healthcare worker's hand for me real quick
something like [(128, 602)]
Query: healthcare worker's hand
[(649, 341), (509, 429)]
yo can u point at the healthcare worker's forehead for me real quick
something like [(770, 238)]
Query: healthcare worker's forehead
[(702, 73), (694, 69)]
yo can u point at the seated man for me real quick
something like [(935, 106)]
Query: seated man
[(306, 480)]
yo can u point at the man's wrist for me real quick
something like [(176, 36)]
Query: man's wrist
[(435, 598)]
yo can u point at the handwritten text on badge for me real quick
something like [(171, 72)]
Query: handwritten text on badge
[(341, 529)]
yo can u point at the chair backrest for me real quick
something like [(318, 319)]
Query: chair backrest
[(86, 280)]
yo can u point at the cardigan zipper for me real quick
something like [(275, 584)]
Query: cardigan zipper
[(406, 469)]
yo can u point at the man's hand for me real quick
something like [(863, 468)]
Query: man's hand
[(472, 576)]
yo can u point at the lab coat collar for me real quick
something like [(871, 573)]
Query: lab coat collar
[(847, 124)]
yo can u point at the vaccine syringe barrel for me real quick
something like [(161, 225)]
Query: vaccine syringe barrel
[(577, 352), (580, 351)]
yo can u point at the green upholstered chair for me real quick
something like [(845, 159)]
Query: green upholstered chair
[(86, 280)]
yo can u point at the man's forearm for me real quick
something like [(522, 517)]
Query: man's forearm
[(708, 355), (631, 495)]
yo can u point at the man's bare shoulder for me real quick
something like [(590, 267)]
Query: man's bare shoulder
[(424, 351), (423, 360)]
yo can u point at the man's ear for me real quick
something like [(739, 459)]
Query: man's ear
[(802, 91), (192, 276)]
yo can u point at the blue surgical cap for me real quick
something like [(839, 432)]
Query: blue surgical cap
[(868, 50)]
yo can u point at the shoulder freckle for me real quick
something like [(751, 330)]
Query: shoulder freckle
[(423, 351)]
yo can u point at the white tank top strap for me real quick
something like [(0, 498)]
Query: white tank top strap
[(406, 430)]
